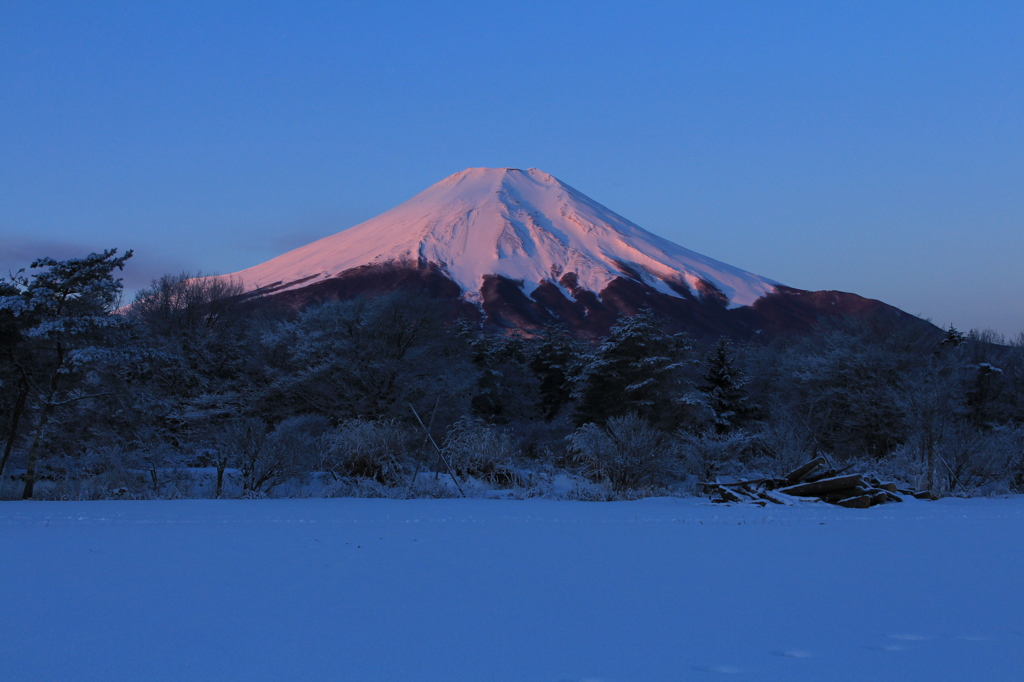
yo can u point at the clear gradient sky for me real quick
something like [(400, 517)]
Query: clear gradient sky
[(876, 148)]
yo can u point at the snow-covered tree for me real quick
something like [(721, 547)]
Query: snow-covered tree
[(635, 369), (553, 359), (14, 387), (366, 358), (839, 384), (264, 457), (724, 388), (506, 390), (63, 312), (205, 366)]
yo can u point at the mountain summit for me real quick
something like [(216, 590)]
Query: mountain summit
[(523, 249), (525, 225)]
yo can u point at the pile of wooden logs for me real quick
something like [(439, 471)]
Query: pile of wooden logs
[(815, 479)]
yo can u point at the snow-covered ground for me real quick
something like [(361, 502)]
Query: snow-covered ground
[(658, 589)]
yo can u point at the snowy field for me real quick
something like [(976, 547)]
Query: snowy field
[(659, 589)]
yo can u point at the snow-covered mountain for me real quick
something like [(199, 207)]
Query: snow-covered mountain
[(527, 226), (524, 249)]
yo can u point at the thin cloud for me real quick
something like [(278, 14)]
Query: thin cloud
[(20, 251)]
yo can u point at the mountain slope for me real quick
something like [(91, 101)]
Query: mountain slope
[(522, 225), (522, 249)]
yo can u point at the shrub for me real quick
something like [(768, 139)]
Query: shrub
[(708, 454), (474, 448), (360, 448), (267, 459), (627, 452), (778, 447)]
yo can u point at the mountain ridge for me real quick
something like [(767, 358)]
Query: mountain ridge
[(522, 225), (521, 249)]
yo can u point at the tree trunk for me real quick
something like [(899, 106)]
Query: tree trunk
[(44, 418), (19, 407), (33, 453), (930, 463), (220, 479)]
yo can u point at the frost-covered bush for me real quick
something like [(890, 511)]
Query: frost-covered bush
[(97, 474), (978, 461), (291, 450), (778, 447), (376, 450), (627, 452), (966, 459), (266, 459), (709, 454), (474, 448)]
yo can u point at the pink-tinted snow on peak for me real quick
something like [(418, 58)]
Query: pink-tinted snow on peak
[(525, 225)]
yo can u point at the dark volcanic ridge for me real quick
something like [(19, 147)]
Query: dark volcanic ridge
[(504, 305)]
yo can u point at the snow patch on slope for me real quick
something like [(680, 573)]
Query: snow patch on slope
[(523, 225)]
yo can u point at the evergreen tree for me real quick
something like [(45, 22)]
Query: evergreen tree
[(953, 338), (724, 388), (13, 386), (636, 369), (505, 388), (64, 317), (553, 358)]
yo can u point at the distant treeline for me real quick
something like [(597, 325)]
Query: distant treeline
[(97, 400)]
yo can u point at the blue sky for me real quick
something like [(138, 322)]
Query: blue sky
[(870, 147)]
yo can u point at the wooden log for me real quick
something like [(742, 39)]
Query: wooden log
[(799, 473), (893, 497), (926, 495), (746, 484), (828, 473), (831, 473), (730, 495), (880, 496), (822, 486), (862, 502), (891, 487), (764, 495), (766, 482), (845, 493), (772, 497), (775, 483)]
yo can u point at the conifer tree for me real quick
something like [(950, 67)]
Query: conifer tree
[(724, 388), (552, 361), (636, 369), (953, 338), (64, 317), (505, 388)]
